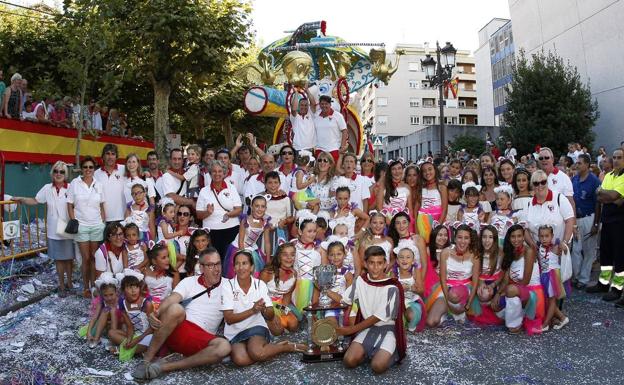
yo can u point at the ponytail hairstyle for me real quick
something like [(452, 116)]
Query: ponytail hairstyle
[(153, 252), (508, 249), (494, 251), (192, 253)]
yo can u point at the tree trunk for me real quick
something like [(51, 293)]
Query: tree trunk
[(227, 130), (162, 91)]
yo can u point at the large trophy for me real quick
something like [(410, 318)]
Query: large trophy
[(323, 342)]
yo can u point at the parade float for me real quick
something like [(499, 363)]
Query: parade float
[(326, 65)]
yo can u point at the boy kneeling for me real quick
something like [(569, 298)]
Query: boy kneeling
[(379, 331)]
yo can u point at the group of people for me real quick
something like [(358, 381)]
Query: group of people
[(16, 102)]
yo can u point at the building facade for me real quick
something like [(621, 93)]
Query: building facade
[(408, 104), (588, 35)]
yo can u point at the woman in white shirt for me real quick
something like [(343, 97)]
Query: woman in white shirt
[(85, 203), (111, 256), (60, 245), (246, 306), (219, 206), (134, 176)]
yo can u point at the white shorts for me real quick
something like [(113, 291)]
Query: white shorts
[(388, 343)]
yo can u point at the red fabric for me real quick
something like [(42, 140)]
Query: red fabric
[(549, 198), (188, 339), (221, 187), (58, 189), (399, 330), (110, 173)]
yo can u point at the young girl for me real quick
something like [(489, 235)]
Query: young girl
[(279, 209), (141, 213), (522, 192), (521, 288), (490, 277), (399, 231), (455, 195), (435, 305), (503, 218), (346, 212), (135, 250), (280, 278), (160, 276), (199, 241), (374, 236), (336, 253), (103, 308), (434, 195), (136, 310), (165, 223), (339, 235), (550, 278), (394, 196), (471, 213), (307, 257), (408, 271), (193, 177), (250, 230), (459, 272)]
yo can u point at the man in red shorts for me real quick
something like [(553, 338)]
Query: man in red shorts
[(187, 322)]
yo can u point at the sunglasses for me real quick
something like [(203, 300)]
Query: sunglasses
[(184, 214), (540, 183), (287, 153), (88, 167), (544, 157), (368, 161), (323, 160), (62, 172)]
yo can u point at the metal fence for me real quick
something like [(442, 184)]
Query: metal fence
[(22, 231)]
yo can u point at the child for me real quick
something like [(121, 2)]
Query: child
[(455, 194), (279, 209), (280, 278), (192, 176), (374, 236), (307, 257), (435, 305), (165, 223), (321, 229), (407, 270), (300, 191), (160, 277), (489, 278), (136, 310), (340, 234), (135, 250), (199, 241), (141, 213), (249, 231), (348, 213), (503, 218), (471, 213), (400, 231), (454, 170), (550, 278), (379, 332), (336, 254), (102, 308), (522, 192)]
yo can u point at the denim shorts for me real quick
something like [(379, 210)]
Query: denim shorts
[(90, 233), (254, 331)]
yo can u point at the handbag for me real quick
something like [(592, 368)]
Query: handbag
[(61, 225), (566, 266), (72, 227)]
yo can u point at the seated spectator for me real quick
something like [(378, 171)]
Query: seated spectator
[(104, 115), (42, 110), (113, 124), (28, 113), (58, 117)]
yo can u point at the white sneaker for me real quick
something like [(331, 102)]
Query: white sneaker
[(563, 323)]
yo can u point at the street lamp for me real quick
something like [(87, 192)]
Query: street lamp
[(438, 73)]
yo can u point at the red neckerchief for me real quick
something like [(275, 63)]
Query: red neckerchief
[(116, 250), (432, 183), (406, 237), (549, 197), (260, 176), (110, 173), (307, 245), (156, 176), (221, 188), (177, 171), (287, 271), (399, 330), (459, 253), (229, 174), (281, 169), (58, 189), (279, 197), (396, 184), (519, 250), (202, 281), (141, 205), (331, 112), (555, 170), (371, 175), (160, 273), (353, 176)]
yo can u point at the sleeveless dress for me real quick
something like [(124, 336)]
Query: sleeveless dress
[(502, 222), (305, 261), (482, 313), (528, 309), (250, 243), (397, 203), (348, 220), (135, 257), (550, 273), (277, 292), (13, 104), (430, 211), (139, 320), (140, 217), (159, 288), (458, 279), (471, 217), (348, 245), (413, 302)]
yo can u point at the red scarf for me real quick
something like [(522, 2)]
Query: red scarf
[(353, 176), (156, 176), (396, 184), (287, 271), (220, 188), (281, 169), (202, 281), (399, 330), (371, 175), (58, 189), (260, 176), (331, 112), (110, 173), (519, 250), (115, 250), (306, 245)]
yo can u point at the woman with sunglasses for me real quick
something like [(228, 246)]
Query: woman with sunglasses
[(287, 167), (367, 167), (60, 245), (183, 221), (85, 203)]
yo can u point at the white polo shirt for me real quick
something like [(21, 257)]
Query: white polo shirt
[(554, 211), (171, 185), (304, 133), (112, 264), (205, 310), (113, 185), (286, 179), (558, 181), (148, 184), (86, 201), (56, 202), (236, 177), (235, 299), (228, 198), (329, 131)]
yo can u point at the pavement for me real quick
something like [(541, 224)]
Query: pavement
[(39, 344)]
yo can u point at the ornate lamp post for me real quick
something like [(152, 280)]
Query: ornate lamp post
[(438, 73)]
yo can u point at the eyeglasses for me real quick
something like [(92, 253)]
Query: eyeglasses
[(544, 157), (368, 161), (88, 167), (62, 172), (211, 266), (287, 153), (120, 234), (184, 214), (540, 183), (323, 160)]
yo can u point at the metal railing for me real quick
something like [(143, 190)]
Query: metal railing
[(22, 231)]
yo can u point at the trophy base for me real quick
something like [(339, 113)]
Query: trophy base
[(332, 354)]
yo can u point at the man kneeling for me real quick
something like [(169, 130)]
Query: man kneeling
[(187, 322), (379, 330)]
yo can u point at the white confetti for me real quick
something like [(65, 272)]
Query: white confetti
[(104, 373), (28, 288)]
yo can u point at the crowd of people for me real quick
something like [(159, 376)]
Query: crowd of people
[(215, 256), (17, 102)]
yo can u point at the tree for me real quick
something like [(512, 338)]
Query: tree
[(472, 144), (168, 41), (548, 104)]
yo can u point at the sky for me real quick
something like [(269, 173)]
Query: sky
[(387, 21)]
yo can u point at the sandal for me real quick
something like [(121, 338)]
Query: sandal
[(146, 371)]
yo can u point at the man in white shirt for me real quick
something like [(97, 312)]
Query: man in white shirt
[(302, 122), (113, 180), (510, 152), (173, 186), (557, 180), (331, 129), (187, 323), (573, 151)]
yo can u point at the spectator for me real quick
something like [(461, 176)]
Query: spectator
[(557, 181), (28, 113), (58, 117), (42, 110), (95, 117), (113, 123), (606, 167), (123, 123), (12, 98), (104, 116), (2, 89), (510, 152), (602, 153), (113, 180), (25, 93)]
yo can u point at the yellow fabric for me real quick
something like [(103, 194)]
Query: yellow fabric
[(615, 183)]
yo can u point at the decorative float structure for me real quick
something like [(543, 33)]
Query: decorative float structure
[(327, 65)]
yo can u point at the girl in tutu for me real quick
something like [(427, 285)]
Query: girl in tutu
[(471, 213), (136, 250), (374, 236), (408, 271), (307, 257), (251, 229), (199, 241), (347, 212), (103, 308), (280, 277), (490, 277), (336, 253), (434, 200), (550, 277), (435, 305), (141, 213), (400, 231), (504, 217), (165, 223), (459, 272), (160, 276), (394, 196)]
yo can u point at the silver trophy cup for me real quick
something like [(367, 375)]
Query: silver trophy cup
[(324, 277)]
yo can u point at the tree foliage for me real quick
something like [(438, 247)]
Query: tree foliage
[(472, 144), (548, 104)]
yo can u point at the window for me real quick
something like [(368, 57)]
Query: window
[(413, 83), (462, 120), (382, 102), (476, 121), (428, 119), (414, 120), (414, 102), (428, 102), (382, 119), (462, 104), (414, 66)]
